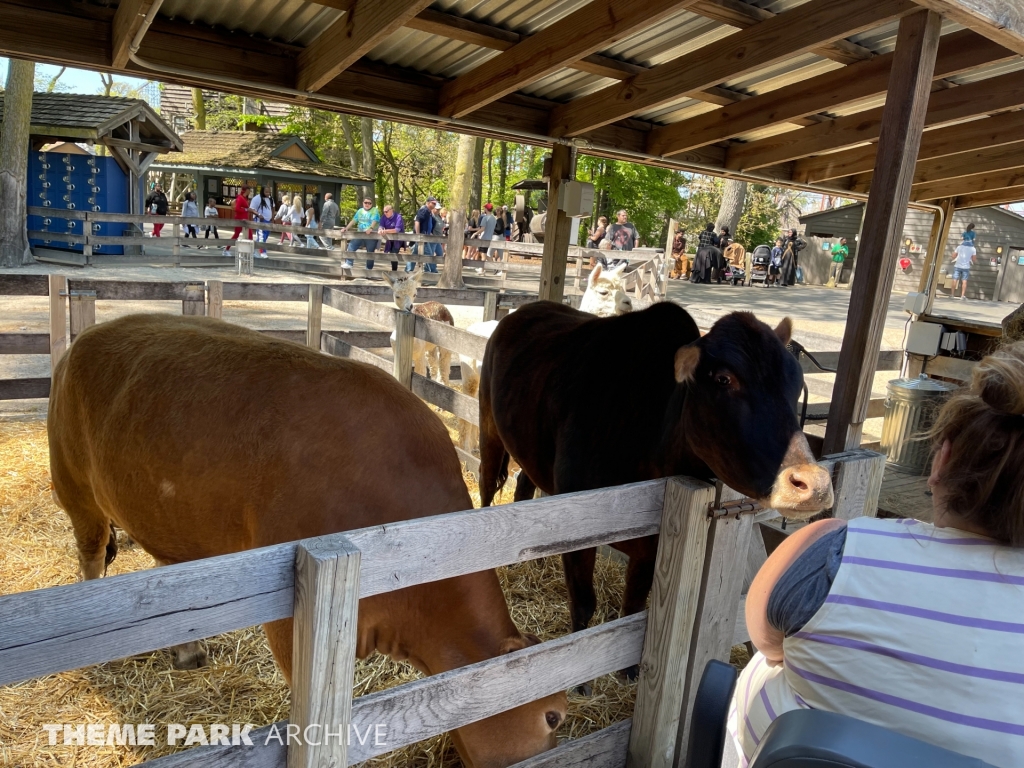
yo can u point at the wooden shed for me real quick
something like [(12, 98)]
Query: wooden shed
[(219, 162), (997, 276)]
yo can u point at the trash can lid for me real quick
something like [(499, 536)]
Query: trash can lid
[(923, 383)]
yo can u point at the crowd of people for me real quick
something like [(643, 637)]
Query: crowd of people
[(718, 257)]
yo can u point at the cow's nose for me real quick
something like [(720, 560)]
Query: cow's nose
[(802, 490)]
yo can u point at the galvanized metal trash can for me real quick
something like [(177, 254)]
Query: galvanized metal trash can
[(910, 409)]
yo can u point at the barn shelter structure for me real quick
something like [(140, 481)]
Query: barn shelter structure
[(998, 274), (220, 162)]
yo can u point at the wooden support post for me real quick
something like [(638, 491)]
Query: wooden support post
[(194, 302), (722, 584), (579, 271), (324, 649), (83, 311), (940, 253), (405, 329), (886, 210), (58, 319), (557, 227), (857, 483), (667, 258), (674, 607), (314, 315), (490, 305), (214, 298)]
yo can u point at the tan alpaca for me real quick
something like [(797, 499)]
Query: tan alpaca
[(426, 357)]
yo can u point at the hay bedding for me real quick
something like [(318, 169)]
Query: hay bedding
[(242, 684)]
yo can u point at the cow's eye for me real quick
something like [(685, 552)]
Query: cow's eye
[(723, 379)]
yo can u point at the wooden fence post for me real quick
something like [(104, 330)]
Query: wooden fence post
[(194, 302), (857, 483), (176, 233), (490, 305), (721, 586), (83, 311), (215, 298), (674, 607), (405, 329), (58, 319), (315, 315), (323, 650)]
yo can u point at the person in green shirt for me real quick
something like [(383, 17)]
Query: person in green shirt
[(839, 254)]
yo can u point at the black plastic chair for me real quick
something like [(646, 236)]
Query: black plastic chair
[(806, 738), (810, 738)]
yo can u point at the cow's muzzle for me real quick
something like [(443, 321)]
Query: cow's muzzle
[(802, 488)]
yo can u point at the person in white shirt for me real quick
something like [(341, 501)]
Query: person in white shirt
[(210, 212), (190, 210), (283, 215), (963, 257), (262, 208)]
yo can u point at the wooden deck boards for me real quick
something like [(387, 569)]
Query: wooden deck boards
[(905, 494)]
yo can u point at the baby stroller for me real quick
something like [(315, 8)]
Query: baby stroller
[(735, 275), (759, 264)]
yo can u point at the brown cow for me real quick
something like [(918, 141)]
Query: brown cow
[(200, 438)]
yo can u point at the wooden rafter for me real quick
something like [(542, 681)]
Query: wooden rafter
[(1000, 20), (788, 34), (963, 137), (737, 13), (341, 45), (137, 145), (958, 53), (590, 28), (973, 99), (991, 159), (127, 22), (966, 185), (996, 197)]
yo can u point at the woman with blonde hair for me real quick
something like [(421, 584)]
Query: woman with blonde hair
[(917, 627)]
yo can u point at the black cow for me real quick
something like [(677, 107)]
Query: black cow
[(583, 402)]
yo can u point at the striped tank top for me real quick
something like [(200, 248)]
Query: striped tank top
[(922, 632)]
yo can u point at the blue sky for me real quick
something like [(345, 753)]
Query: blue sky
[(73, 80)]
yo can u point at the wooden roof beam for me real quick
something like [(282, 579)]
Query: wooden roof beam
[(128, 20), (737, 13), (958, 53), (968, 185), (996, 94), (996, 131), (988, 160), (351, 37), (996, 197), (594, 26), (788, 34), (997, 20)]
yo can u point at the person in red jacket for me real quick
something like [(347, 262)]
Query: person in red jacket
[(241, 210)]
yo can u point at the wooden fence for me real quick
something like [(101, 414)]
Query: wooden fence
[(709, 544), (647, 263), (692, 618)]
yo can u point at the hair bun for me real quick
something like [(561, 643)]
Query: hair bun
[(999, 380)]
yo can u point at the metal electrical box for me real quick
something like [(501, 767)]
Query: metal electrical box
[(576, 198), (924, 338)]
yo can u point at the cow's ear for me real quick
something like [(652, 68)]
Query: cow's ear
[(686, 362), (595, 274), (784, 330)]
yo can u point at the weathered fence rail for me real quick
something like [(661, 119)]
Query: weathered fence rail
[(60, 628)]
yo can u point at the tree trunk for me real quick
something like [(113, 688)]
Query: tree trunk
[(502, 170), (476, 192), (451, 276), (353, 156), (199, 106), (108, 83), (733, 197), (52, 85), (490, 171), (14, 250), (369, 158)]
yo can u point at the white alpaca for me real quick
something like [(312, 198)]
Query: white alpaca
[(425, 356), (605, 296)]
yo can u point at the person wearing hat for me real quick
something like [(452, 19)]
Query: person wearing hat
[(423, 224)]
